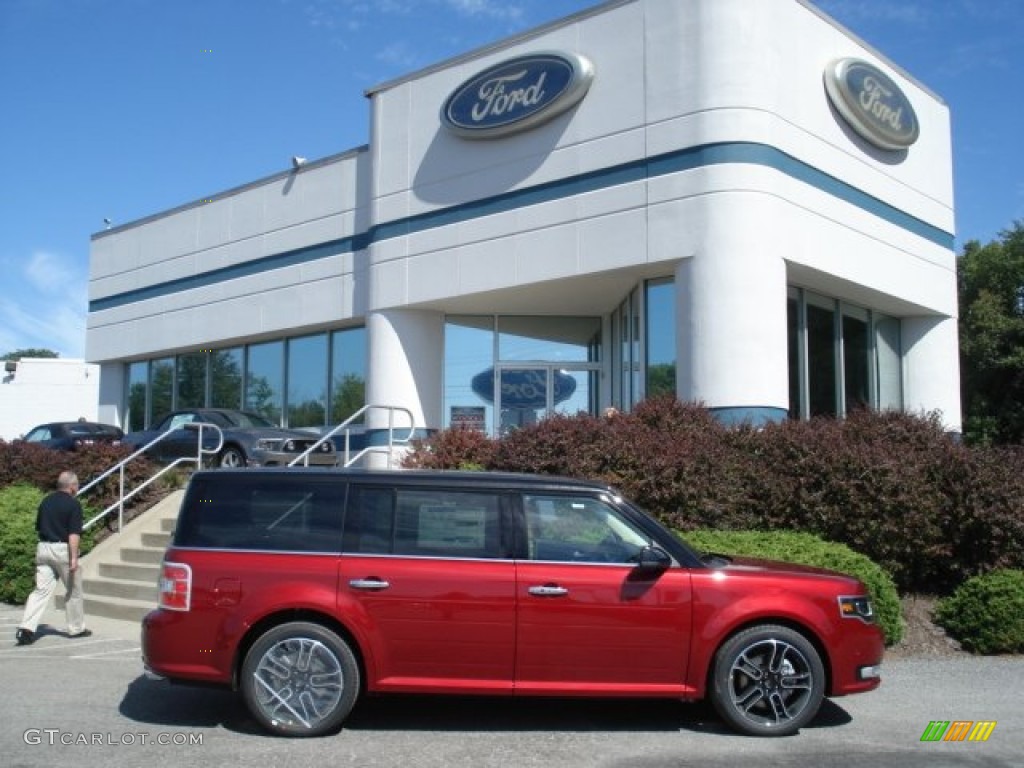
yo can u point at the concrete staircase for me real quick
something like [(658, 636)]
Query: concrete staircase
[(119, 576)]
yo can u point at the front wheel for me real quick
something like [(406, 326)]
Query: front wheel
[(300, 679), (768, 681)]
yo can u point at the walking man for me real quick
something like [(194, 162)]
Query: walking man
[(59, 525)]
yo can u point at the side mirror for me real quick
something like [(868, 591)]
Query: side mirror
[(653, 560)]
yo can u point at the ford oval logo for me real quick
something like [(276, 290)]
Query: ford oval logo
[(517, 94), (524, 388), (871, 103)]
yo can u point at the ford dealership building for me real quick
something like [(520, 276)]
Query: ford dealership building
[(736, 201)]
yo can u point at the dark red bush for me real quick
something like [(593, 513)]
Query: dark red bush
[(890, 485)]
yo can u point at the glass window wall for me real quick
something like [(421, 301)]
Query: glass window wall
[(307, 381)]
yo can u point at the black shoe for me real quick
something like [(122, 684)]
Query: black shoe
[(83, 633), (25, 637)]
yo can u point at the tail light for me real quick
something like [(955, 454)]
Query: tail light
[(175, 587)]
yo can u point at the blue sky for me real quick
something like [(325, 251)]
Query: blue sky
[(123, 108)]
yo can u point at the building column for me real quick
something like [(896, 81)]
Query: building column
[(731, 322), (931, 368), (405, 369)]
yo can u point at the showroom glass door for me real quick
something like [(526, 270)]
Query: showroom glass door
[(527, 393)]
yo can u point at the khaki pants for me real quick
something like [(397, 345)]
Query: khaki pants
[(53, 565)]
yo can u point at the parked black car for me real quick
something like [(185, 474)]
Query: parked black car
[(72, 435), (249, 439)]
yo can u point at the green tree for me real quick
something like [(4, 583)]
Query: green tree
[(348, 395), (991, 283), (31, 352)]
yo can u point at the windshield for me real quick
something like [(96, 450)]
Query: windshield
[(246, 420)]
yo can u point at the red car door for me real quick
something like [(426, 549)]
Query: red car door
[(427, 586), (588, 621)]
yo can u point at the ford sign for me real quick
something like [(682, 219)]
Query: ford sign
[(524, 388), (517, 94), (871, 103)]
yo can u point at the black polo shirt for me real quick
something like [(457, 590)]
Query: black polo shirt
[(59, 516)]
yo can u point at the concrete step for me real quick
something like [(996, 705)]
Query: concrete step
[(156, 540), (142, 555), (130, 590), (138, 572), (118, 608), (120, 575)]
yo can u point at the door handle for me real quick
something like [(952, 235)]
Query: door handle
[(548, 590), (371, 584)]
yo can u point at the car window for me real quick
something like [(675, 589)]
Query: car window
[(176, 421), (424, 522), (37, 435), (568, 528), (276, 515)]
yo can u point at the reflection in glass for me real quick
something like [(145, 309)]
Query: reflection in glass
[(135, 413), (523, 397), (856, 373), (348, 373), (226, 375), (191, 375), (793, 337), (661, 338), (307, 381), (161, 387), (554, 339), (264, 379), (889, 353), (468, 352), (821, 360)]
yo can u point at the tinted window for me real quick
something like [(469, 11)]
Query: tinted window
[(424, 522), (270, 514)]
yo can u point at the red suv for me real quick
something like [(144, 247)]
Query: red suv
[(306, 589)]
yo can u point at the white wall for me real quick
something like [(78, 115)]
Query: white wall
[(41, 390), (301, 209)]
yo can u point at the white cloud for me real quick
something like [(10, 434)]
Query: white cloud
[(45, 305)]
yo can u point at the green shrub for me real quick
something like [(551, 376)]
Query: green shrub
[(18, 505), (806, 549), (986, 613)]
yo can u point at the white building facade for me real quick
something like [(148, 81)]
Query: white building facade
[(738, 202), (40, 390)]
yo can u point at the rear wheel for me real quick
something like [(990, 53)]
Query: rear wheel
[(300, 679), (231, 457), (768, 681)]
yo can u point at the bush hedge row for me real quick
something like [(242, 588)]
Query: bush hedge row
[(891, 486), (807, 549), (28, 464)]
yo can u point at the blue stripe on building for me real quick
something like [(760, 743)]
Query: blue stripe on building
[(639, 170)]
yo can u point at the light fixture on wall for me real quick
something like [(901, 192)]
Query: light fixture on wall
[(298, 162)]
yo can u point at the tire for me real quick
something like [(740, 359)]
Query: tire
[(231, 457), (768, 680), (300, 679)]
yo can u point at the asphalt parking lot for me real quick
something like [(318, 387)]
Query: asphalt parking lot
[(86, 702)]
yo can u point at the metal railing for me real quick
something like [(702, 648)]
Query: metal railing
[(347, 459), (397, 436), (119, 468)]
